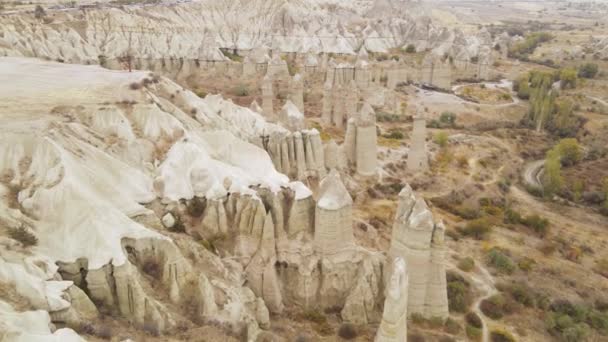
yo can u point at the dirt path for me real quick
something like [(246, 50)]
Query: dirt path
[(532, 173), (597, 99), (484, 282)]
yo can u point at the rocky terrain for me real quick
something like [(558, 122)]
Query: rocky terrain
[(322, 170)]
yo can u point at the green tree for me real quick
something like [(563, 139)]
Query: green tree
[(563, 122), (410, 48), (570, 151), (542, 98), (588, 70), (523, 88), (441, 139), (447, 118), (552, 180), (568, 78)]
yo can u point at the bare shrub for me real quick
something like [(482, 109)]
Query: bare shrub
[(347, 331), (135, 86)]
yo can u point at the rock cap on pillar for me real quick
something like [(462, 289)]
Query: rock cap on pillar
[(367, 115), (292, 117), (332, 192)]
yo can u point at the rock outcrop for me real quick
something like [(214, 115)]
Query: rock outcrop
[(419, 241), (360, 142), (291, 117), (417, 159), (267, 97), (393, 327), (333, 216), (157, 206), (299, 155), (296, 92)]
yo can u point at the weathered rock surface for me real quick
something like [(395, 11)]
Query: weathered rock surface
[(419, 241)]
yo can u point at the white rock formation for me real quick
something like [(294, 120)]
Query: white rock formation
[(87, 152), (267, 97), (292, 117), (393, 327), (254, 106), (327, 104), (168, 220), (277, 67), (333, 216), (436, 71), (366, 141), (360, 142), (299, 155), (79, 184), (419, 241), (417, 159), (331, 155), (296, 92)]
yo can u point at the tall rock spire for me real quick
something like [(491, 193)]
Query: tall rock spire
[(419, 241), (333, 216)]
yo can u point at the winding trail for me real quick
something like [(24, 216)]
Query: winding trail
[(597, 99), (484, 282), (533, 172)]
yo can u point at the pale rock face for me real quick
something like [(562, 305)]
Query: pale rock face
[(436, 72), (333, 216), (277, 67), (339, 115), (351, 100), (331, 155), (286, 249), (168, 220), (350, 143), (262, 314), (256, 107), (267, 97), (417, 159), (419, 241), (360, 142), (292, 117), (81, 309), (366, 141), (360, 303), (108, 247), (298, 155), (297, 92), (393, 327), (327, 104)]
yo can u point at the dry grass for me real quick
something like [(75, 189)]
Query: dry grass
[(389, 142)]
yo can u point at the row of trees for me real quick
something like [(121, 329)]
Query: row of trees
[(566, 153), (523, 49), (547, 110)]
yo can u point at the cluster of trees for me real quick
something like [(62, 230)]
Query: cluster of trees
[(566, 153), (526, 47), (547, 110), (588, 70)]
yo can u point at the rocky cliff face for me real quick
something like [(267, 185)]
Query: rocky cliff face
[(81, 166), (119, 174), (181, 37), (419, 241)]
